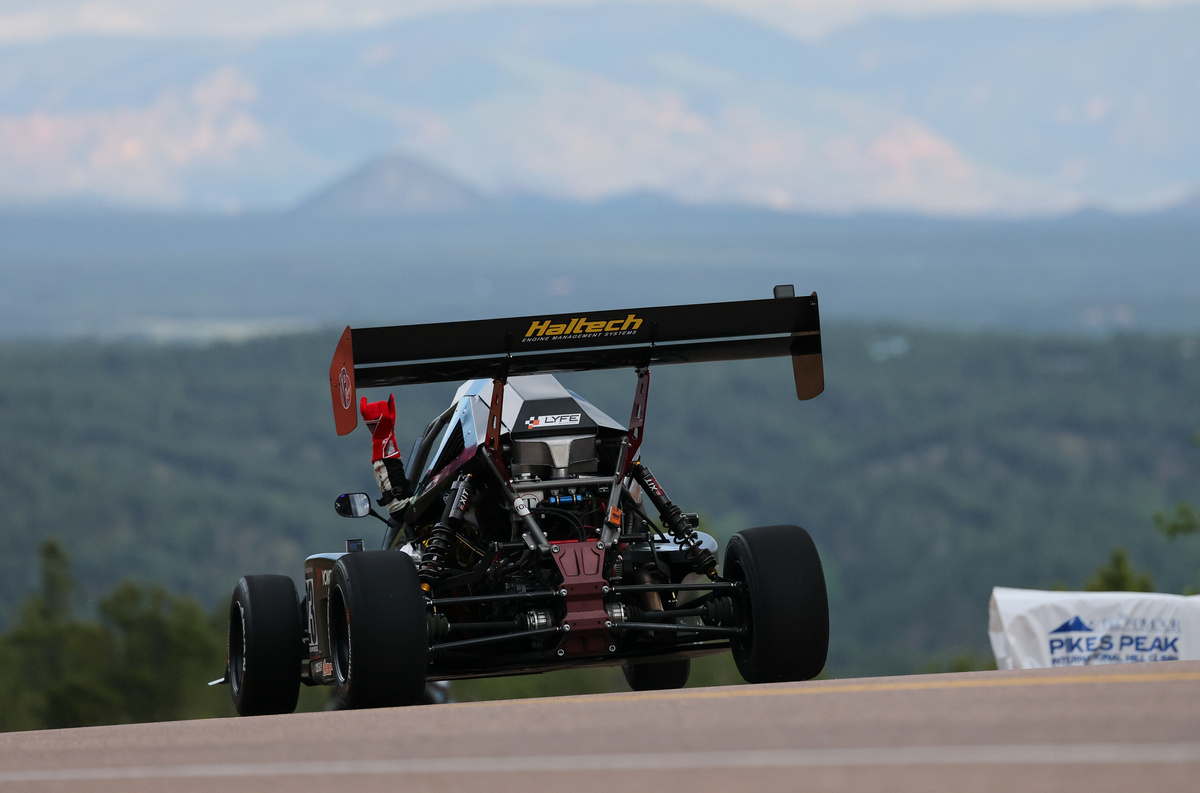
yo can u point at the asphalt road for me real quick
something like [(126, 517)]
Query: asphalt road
[(1114, 728)]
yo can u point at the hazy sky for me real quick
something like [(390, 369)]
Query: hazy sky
[(25, 20), (1109, 129)]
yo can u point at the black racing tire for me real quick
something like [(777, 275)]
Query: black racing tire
[(265, 645), (378, 641), (784, 604), (658, 675)]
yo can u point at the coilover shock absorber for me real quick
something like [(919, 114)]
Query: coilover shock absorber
[(674, 519), (437, 547)]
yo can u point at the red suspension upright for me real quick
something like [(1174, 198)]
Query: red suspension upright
[(637, 420), (495, 414), (629, 451)]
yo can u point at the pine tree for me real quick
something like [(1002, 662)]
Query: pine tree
[(1118, 575)]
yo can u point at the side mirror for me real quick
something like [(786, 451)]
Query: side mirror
[(353, 505)]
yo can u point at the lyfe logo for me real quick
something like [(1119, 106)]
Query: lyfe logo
[(561, 420)]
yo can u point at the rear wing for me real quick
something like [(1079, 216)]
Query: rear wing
[(581, 341)]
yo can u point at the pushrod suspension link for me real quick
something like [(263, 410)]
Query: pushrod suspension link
[(675, 521)]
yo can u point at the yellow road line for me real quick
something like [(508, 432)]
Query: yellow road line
[(906, 684), (1152, 757)]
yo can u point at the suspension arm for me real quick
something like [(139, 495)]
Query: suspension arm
[(700, 630), (625, 589), (506, 597), (448, 646)]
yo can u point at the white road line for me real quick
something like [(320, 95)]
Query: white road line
[(996, 754)]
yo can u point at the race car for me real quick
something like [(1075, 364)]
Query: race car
[(527, 534)]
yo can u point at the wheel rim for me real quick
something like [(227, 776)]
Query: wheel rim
[(741, 645), (237, 647), (339, 635)]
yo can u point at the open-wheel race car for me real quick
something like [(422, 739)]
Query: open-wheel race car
[(526, 534)]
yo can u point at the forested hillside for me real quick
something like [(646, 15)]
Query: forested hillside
[(935, 466)]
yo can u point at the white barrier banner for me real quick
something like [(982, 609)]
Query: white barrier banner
[(1032, 629)]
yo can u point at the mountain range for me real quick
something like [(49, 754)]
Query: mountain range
[(194, 277)]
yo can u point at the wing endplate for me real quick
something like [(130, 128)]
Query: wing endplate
[(342, 386)]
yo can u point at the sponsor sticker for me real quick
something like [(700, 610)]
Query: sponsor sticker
[(344, 385), (652, 485), (560, 420), (582, 328), (311, 598), (1115, 640), (328, 669)]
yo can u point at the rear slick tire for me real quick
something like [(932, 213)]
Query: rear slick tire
[(784, 604), (658, 675), (377, 635), (265, 645)]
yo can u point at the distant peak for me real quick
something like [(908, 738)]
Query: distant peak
[(394, 184)]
